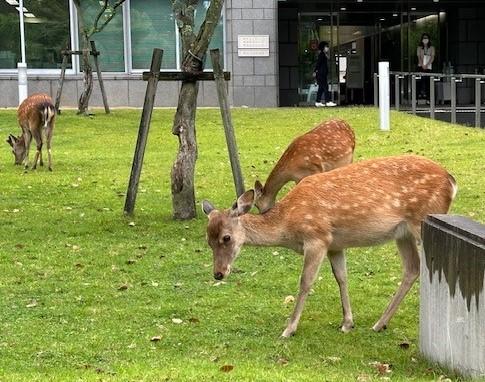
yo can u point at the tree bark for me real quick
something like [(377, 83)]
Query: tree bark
[(83, 103), (194, 48)]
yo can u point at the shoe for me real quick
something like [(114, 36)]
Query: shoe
[(330, 104), (319, 104)]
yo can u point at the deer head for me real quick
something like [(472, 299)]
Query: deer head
[(18, 148), (225, 234)]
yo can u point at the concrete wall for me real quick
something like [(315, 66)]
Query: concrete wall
[(254, 80), (452, 288)]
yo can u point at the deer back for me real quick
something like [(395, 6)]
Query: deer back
[(34, 110)]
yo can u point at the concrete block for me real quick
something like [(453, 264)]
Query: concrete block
[(168, 93), (70, 93), (209, 93), (267, 4), (237, 80), (253, 80), (10, 93), (252, 14), (241, 27), (243, 96), (264, 65), (236, 14), (243, 65), (242, 4), (265, 27), (270, 80), (452, 294), (266, 96), (269, 14)]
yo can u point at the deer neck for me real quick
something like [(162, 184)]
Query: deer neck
[(275, 182), (264, 230)]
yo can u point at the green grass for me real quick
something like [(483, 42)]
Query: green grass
[(82, 292)]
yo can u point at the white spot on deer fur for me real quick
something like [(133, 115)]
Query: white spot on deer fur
[(308, 217), (306, 158), (413, 199), (396, 203)]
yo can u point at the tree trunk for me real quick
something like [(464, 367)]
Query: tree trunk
[(87, 79), (183, 195)]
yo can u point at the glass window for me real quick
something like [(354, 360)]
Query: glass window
[(152, 26), (46, 26), (217, 41), (9, 36), (109, 42)]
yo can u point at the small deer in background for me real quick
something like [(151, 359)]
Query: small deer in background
[(329, 145), (36, 117), (362, 204)]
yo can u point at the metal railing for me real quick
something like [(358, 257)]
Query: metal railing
[(452, 79)]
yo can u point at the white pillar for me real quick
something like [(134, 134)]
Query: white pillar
[(22, 66), (384, 101)]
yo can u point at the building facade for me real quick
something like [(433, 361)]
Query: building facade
[(269, 46)]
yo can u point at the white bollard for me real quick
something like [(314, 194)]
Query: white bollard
[(23, 90), (384, 101)]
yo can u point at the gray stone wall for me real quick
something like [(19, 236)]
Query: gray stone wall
[(254, 80)]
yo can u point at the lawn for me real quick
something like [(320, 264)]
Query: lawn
[(84, 290)]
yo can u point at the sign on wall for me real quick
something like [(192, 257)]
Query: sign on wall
[(253, 45)]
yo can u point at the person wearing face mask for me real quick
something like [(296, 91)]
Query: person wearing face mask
[(321, 75), (426, 55)]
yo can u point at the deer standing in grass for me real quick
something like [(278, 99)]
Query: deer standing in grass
[(329, 145), (36, 117), (362, 204)]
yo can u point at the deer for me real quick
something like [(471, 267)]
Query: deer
[(36, 118), (359, 205), (329, 145)]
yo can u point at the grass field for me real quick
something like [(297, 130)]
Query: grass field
[(83, 289)]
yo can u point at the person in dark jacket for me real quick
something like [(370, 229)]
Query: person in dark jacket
[(321, 74)]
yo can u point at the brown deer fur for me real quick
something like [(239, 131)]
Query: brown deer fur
[(329, 145), (36, 118), (362, 204)]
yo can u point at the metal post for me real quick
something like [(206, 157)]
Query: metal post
[(478, 101), (376, 86), (396, 91), (95, 54), (227, 122), (431, 97), (453, 99), (22, 32), (413, 93), (22, 66), (143, 131), (384, 96)]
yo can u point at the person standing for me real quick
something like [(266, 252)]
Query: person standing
[(321, 75), (426, 54)]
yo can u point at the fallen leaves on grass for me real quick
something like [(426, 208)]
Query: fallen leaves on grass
[(177, 321), (381, 368), (289, 300), (404, 345), (226, 368), (155, 338), (123, 287), (31, 304), (282, 361)]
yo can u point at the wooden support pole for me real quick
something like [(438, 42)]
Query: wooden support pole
[(143, 131), (60, 83), (227, 121), (95, 54)]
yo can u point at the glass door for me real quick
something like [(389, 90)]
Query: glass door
[(314, 28)]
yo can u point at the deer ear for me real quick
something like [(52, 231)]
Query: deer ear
[(244, 203), (258, 189), (207, 207), (10, 140)]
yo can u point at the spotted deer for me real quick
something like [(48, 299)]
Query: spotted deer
[(362, 204), (329, 145), (36, 118)]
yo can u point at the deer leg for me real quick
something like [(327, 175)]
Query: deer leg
[(339, 269), (38, 140), (48, 140), (27, 139), (314, 255), (410, 260)]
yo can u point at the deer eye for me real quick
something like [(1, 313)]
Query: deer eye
[(226, 238)]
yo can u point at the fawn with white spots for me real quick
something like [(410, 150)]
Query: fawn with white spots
[(36, 117), (362, 204), (329, 145)]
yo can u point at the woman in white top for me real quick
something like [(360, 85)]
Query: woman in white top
[(426, 54)]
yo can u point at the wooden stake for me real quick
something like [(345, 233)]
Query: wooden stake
[(143, 131), (227, 122), (95, 55), (60, 83)]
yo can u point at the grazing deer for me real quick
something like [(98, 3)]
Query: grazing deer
[(362, 204), (36, 117), (329, 145)]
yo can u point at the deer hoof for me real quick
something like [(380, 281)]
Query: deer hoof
[(50, 169), (288, 332), (347, 327), (379, 327)]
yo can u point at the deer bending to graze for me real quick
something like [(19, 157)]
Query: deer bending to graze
[(329, 145), (36, 117), (362, 204)]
